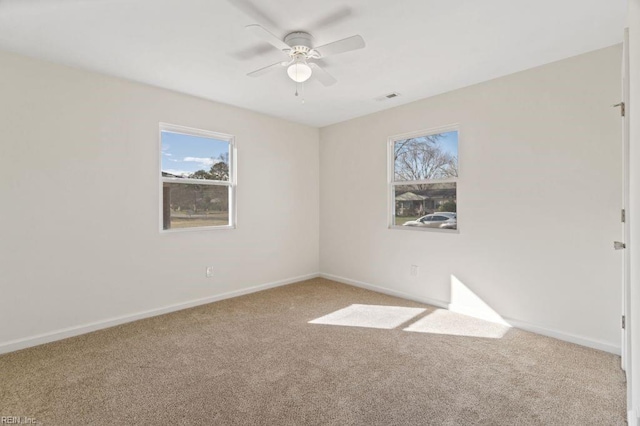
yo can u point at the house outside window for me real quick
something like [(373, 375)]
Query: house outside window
[(423, 180)]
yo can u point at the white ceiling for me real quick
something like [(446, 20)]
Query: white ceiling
[(418, 48)]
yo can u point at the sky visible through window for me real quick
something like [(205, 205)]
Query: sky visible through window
[(185, 154), (432, 156), (449, 142)]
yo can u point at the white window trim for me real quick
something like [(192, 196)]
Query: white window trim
[(232, 183), (391, 183)]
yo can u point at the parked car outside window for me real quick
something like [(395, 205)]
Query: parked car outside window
[(442, 220)]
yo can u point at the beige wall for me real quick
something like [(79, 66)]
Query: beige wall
[(539, 199), (79, 216)]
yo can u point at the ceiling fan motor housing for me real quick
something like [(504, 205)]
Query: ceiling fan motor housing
[(299, 41)]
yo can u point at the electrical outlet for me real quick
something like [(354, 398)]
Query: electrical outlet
[(414, 270), (209, 271)]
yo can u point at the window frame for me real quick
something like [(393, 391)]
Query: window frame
[(231, 183), (392, 183)]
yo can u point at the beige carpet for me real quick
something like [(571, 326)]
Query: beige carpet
[(256, 359)]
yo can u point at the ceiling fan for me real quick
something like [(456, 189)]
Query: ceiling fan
[(298, 46)]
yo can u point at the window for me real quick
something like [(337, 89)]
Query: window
[(423, 177), (197, 177)]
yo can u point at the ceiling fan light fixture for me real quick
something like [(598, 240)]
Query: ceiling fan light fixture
[(299, 71)]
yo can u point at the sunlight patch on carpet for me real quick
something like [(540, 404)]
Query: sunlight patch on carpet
[(445, 322), (371, 316)]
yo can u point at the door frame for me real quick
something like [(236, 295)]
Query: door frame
[(625, 351)]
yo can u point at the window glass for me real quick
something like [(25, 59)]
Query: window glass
[(426, 157), (191, 206), (196, 157), (198, 184), (424, 179)]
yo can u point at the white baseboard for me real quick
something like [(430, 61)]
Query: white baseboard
[(384, 290), (567, 337), (14, 345), (632, 418), (481, 313), (560, 335)]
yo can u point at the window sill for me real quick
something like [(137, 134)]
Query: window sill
[(421, 229), (199, 228)]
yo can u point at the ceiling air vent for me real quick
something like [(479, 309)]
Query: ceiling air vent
[(388, 96)]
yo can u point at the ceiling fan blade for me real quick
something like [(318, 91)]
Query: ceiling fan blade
[(321, 75), (253, 12), (265, 70), (341, 46), (267, 36), (250, 52), (332, 19)]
